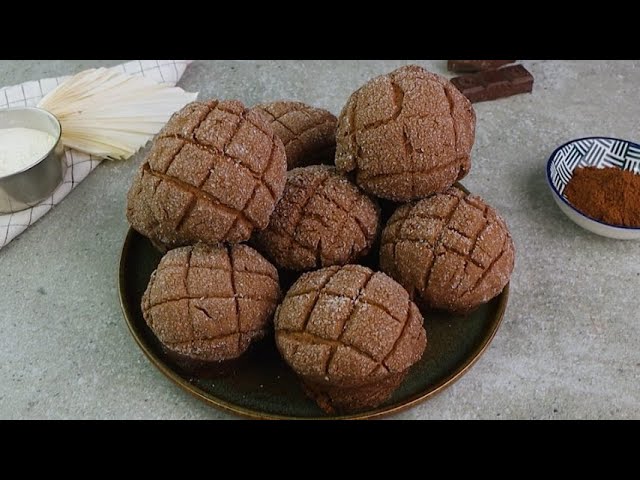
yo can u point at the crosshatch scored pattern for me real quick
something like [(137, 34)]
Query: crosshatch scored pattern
[(453, 222), (235, 171), (79, 165), (308, 133), (418, 114), (321, 220), (346, 317), (211, 299)]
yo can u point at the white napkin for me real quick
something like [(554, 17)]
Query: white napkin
[(79, 165)]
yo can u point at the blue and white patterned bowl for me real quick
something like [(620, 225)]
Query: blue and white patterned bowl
[(598, 152)]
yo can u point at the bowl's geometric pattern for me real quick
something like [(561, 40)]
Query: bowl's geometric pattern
[(598, 152)]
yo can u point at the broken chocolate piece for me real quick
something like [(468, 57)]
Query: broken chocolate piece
[(464, 66), (493, 84)]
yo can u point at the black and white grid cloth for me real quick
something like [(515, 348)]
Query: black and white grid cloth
[(79, 165)]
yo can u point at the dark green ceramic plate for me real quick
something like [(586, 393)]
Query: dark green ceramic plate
[(262, 386)]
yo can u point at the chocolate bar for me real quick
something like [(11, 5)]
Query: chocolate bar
[(493, 84), (463, 66)]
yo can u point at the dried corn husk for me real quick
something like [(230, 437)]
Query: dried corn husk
[(110, 114)]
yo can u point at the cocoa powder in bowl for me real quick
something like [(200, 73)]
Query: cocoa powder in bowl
[(406, 134), (610, 195), (214, 174)]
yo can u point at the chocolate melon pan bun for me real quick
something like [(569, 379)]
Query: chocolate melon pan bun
[(406, 135), (350, 334), (214, 174), (208, 304), (451, 250), (308, 133), (322, 219)]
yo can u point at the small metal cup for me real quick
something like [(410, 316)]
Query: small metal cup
[(36, 182)]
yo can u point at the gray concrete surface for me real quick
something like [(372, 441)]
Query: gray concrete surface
[(570, 343)]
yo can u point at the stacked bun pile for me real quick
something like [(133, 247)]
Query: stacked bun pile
[(303, 189)]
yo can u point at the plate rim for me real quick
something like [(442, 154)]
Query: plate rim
[(245, 412)]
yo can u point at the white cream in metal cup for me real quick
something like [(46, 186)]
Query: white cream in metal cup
[(37, 180)]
